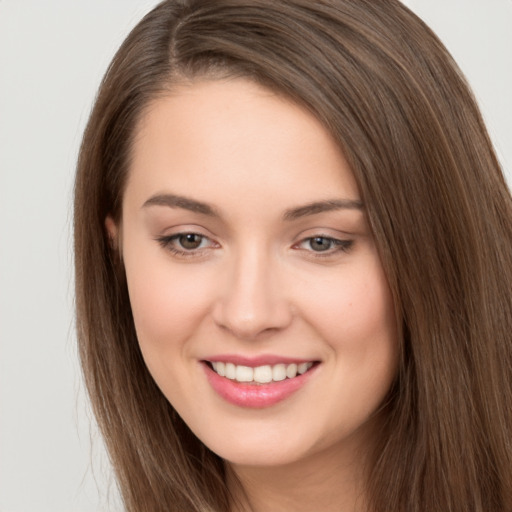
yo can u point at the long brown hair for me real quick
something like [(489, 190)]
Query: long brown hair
[(438, 205)]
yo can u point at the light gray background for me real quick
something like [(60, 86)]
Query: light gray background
[(52, 56)]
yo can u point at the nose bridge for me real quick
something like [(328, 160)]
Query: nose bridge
[(252, 300)]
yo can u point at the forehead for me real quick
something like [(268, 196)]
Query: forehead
[(219, 138)]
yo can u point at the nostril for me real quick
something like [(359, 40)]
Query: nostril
[(252, 305)]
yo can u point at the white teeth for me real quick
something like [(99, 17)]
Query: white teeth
[(221, 369), (260, 374), (230, 371), (263, 374), (291, 371), (303, 367), (244, 374), (279, 372)]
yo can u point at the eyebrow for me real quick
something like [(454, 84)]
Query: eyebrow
[(323, 206), (174, 201)]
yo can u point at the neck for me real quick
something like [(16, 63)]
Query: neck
[(327, 481)]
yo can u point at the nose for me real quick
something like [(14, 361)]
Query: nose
[(251, 301)]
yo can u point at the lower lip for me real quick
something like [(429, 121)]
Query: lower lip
[(256, 396)]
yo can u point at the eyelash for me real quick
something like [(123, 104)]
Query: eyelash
[(335, 245), (168, 243)]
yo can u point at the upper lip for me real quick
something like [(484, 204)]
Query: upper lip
[(255, 361)]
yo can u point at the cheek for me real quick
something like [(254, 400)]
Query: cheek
[(359, 326), (358, 305), (356, 317), (155, 305), (168, 310), (168, 302), (369, 313)]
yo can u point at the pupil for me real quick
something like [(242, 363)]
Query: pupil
[(190, 241), (320, 244)]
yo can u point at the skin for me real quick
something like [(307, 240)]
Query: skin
[(257, 284)]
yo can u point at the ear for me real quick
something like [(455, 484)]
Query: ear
[(112, 232)]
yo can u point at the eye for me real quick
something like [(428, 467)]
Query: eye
[(320, 243), (324, 245), (186, 244), (190, 241)]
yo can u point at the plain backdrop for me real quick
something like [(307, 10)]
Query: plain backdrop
[(52, 56)]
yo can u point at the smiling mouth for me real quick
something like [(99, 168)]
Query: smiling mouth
[(260, 374)]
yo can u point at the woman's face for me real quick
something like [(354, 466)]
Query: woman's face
[(259, 299)]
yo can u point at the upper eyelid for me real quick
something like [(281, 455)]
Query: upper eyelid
[(328, 230), (345, 237), (184, 229)]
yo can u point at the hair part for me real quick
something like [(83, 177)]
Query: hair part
[(438, 205)]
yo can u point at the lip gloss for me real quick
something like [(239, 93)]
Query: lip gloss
[(256, 396)]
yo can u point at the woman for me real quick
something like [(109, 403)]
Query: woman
[(293, 245)]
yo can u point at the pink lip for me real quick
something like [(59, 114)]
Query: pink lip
[(255, 396)]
